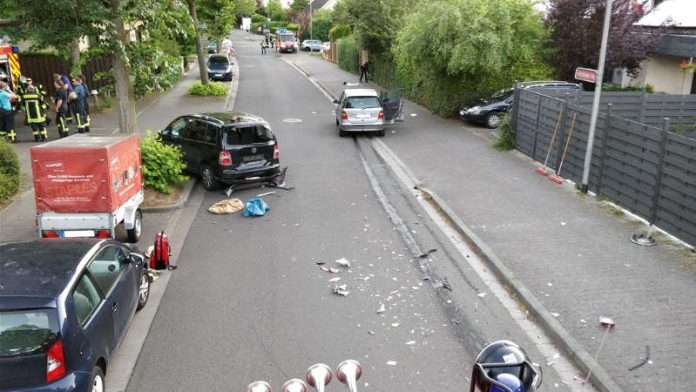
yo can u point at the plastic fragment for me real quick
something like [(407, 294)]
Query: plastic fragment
[(391, 363), (481, 295), (381, 309), (410, 342), (336, 279), (343, 262), (341, 289)]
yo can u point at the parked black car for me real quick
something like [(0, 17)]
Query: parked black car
[(219, 67), (489, 110), (65, 307), (226, 148)]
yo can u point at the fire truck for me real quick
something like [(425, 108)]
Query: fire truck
[(9, 65), (285, 41)]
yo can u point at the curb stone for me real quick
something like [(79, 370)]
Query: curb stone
[(176, 205), (578, 355)]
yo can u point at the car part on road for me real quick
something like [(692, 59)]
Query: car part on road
[(557, 178), (543, 170)]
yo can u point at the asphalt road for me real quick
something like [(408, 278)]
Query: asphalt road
[(249, 302)]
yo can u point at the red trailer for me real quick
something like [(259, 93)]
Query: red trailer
[(87, 185)]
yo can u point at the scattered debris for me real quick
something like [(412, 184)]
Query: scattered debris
[(410, 342), (644, 361), (481, 295), (343, 262), (341, 289), (336, 279), (228, 206), (381, 309), (319, 262), (426, 254), (549, 284), (606, 321), (255, 207), (391, 363), (265, 194), (414, 114), (395, 324), (329, 269), (371, 332), (555, 314), (583, 321), (563, 223)]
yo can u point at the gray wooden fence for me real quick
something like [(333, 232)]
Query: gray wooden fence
[(642, 166)]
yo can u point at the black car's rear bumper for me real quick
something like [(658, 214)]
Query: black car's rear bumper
[(253, 176)]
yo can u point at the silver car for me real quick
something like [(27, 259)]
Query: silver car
[(364, 110), (313, 45)]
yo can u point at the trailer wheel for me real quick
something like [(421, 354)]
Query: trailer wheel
[(137, 230)]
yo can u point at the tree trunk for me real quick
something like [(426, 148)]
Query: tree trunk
[(75, 57), (218, 45), (127, 120), (199, 43)]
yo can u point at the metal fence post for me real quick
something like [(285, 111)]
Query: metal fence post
[(536, 127), (603, 157), (647, 239), (561, 136), (660, 165)]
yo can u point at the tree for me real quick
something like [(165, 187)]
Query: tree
[(375, 23), (577, 33), (449, 50), (199, 44), (274, 10), (297, 7), (78, 19), (244, 7), (219, 17)]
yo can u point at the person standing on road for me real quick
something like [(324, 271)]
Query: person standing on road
[(78, 105), (263, 46), (68, 90), (363, 71), (85, 102), (61, 107), (7, 124)]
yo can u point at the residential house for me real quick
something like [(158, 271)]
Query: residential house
[(664, 70)]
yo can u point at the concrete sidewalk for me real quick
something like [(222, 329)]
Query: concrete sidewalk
[(569, 255), (155, 111)]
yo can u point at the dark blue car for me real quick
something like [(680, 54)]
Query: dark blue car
[(219, 68), (65, 306)]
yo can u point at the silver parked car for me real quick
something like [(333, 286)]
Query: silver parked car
[(364, 110), (313, 45)]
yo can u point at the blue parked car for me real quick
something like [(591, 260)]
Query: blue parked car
[(65, 306)]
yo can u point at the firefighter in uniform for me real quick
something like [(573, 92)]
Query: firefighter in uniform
[(35, 109)]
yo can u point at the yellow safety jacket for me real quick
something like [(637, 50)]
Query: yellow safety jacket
[(34, 107)]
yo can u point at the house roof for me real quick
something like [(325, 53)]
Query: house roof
[(679, 13)]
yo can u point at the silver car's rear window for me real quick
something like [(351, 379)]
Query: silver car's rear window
[(362, 103), (27, 331)]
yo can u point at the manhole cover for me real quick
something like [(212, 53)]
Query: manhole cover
[(292, 120)]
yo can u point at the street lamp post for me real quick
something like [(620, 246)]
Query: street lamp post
[(597, 94), (311, 20)]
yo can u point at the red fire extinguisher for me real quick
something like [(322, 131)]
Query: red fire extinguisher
[(159, 259)]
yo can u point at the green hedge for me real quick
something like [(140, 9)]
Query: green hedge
[(214, 89), (163, 164), (10, 174), (348, 53)]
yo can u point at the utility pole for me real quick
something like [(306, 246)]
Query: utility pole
[(597, 95)]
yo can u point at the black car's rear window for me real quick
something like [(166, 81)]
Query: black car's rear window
[(218, 60), (248, 135), (27, 331), (362, 103)]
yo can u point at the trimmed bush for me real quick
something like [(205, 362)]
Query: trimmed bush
[(214, 89), (10, 174), (162, 164), (506, 139)]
